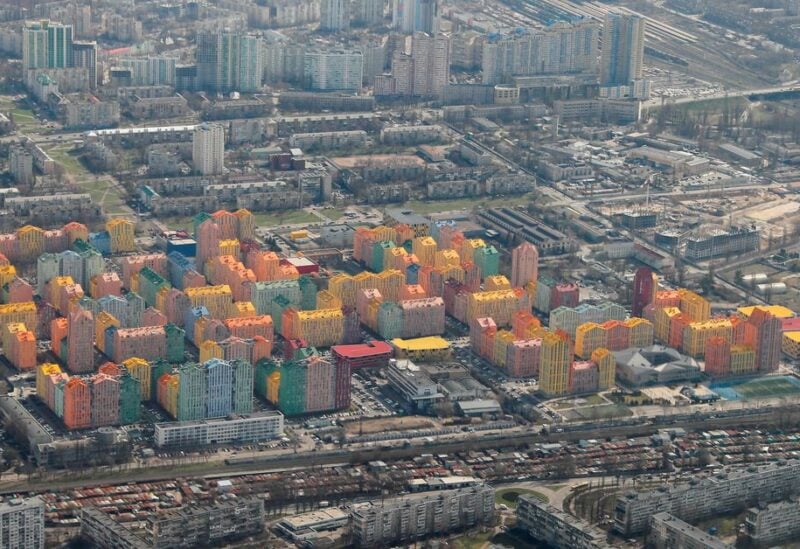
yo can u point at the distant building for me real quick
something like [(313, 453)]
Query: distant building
[(334, 15), (208, 149), (410, 16), (21, 165), (333, 70), (622, 57)]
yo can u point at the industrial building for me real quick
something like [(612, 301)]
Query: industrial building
[(412, 383), (518, 226)]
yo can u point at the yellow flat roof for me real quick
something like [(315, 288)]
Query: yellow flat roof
[(776, 310), (793, 336), (431, 343)]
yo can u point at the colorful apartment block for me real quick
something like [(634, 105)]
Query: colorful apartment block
[(499, 305), (554, 364), (77, 404), (645, 286), (606, 367), (697, 333), (487, 259), (310, 384), (584, 377), (148, 343), (218, 300), (743, 360), (122, 233), (717, 357), (250, 327), (790, 344), (589, 337), (227, 270), (17, 291), (140, 370), (523, 357), (694, 305), (216, 388), (496, 282), (80, 341), (763, 331), (524, 264), (422, 317), (132, 264), (19, 345), (153, 317), (663, 321), (102, 322), (640, 332), (320, 328), (105, 284), (148, 283), (569, 318)]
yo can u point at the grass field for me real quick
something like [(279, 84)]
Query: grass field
[(752, 389), (285, 217), (598, 412), (510, 496)]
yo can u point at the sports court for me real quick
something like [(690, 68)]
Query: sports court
[(753, 389)]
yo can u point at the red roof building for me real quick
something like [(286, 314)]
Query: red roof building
[(364, 355)]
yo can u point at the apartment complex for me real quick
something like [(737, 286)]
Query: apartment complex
[(721, 493), (556, 528), (22, 523), (407, 519)]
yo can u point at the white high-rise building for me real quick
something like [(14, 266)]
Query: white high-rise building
[(369, 13), (623, 49), (21, 165), (410, 16), (562, 48), (22, 524), (334, 15), (431, 57), (229, 62), (333, 70), (46, 45), (208, 149)]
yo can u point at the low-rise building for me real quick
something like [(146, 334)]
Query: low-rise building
[(412, 383), (257, 427)]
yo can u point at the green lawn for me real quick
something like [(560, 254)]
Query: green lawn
[(285, 217), (474, 541), (435, 206), (510, 496), (61, 154), (178, 222)]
